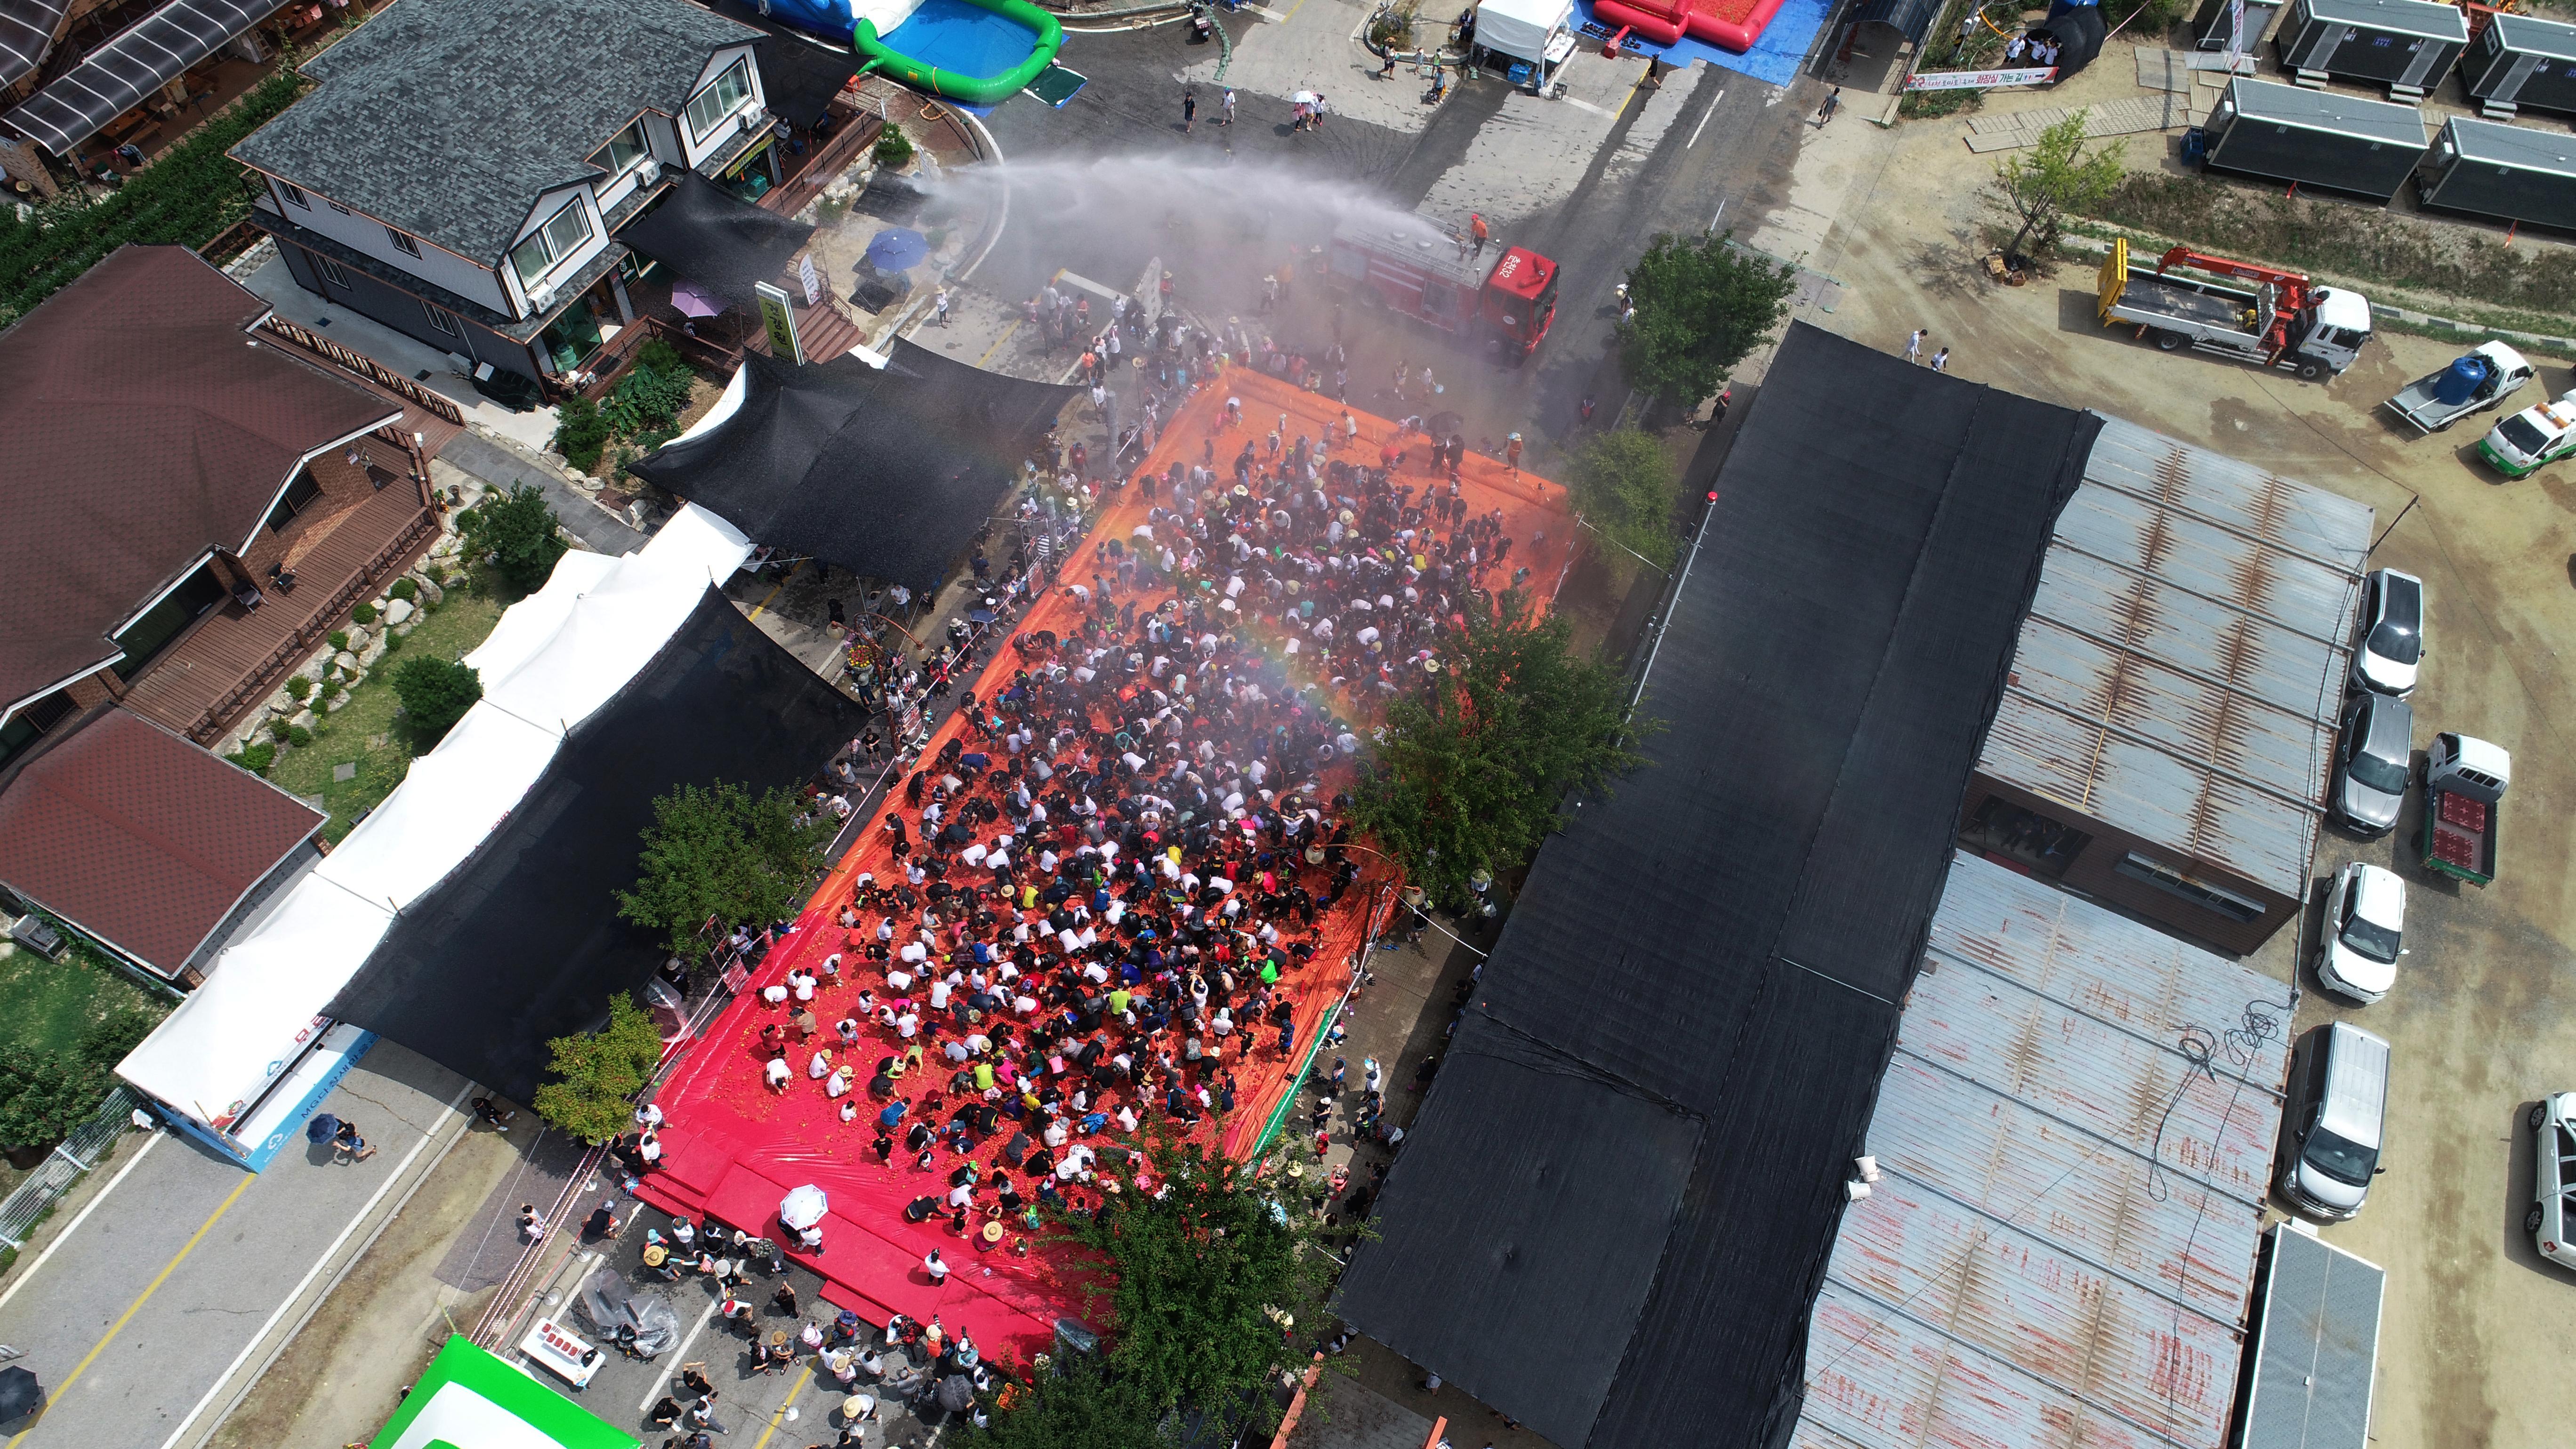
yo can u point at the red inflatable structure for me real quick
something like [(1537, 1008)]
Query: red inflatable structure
[(1734, 24)]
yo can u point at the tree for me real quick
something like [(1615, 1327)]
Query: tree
[(1701, 307), (518, 530), (598, 1073), (108, 1039), (435, 694), (1625, 484), (1470, 772), (2039, 186), (45, 1094), (1201, 1280), (716, 851)]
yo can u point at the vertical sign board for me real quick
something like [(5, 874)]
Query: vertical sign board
[(813, 281), (780, 319)]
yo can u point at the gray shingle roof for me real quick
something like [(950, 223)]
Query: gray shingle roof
[(448, 118)]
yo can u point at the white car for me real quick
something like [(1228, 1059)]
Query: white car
[(2364, 930), (2391, 647), (2553, 1132)]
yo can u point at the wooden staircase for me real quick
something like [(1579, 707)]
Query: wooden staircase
[(822, 329)]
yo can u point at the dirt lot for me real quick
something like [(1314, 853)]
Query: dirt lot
[(2484, 1018)]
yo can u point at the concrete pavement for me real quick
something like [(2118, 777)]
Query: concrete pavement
[(143, 1310)]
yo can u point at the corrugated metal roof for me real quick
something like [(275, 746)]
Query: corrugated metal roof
[(2058, 1252), (2179, 674)]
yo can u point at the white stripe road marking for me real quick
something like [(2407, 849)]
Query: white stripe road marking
[(682, 1356), (315, 1271), (1703, 118), (20, 1281), (1580, 103)]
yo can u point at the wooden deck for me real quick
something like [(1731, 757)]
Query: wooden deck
[(233, 658)]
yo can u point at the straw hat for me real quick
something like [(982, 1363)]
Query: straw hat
[(992, 1233), (655, 1255)]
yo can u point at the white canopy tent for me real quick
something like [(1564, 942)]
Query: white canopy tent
[(1538, 31), (554, 659)]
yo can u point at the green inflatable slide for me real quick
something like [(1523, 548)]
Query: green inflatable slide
[(1046, 37)]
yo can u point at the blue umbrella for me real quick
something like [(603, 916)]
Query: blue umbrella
[(321, 1128), (896, 248)]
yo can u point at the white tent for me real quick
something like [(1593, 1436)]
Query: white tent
[(1533, 30), (554, 658)]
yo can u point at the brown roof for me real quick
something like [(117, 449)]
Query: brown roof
[(141, 838), (140, 429)]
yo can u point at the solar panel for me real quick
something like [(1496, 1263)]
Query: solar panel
[(117, 76), (26, 33)]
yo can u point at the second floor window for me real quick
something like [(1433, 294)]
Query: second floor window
[(624, 151), (403, 243), (560, 237), (294, 193), (720, 99)]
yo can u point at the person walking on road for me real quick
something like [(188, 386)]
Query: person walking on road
[(1832, 104), (347, 1140), (1189, 112), (1225, 108), (939, 309), (1914, 344)]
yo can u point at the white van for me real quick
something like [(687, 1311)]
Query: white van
[(2337, 1108)]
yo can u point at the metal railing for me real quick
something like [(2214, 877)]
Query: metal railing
[(69, 1162), (438, 404), (292, 648)]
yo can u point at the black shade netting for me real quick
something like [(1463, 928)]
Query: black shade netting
[(888, 472), (522, 943), (709, 236), (1731, 929)]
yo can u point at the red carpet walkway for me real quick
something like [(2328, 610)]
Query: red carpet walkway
[(732, 1148)]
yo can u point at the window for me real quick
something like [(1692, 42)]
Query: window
[(28, 725), (403, 243), (2173, 882), (560, 237), (331, 272), (444, 320), (2005, 831), (163, 622), (335, 206), (625, 150), (294, 193), (720, 99), (299, 496)]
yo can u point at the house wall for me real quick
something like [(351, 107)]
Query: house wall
[(403, 312), (364, 233), (544, 211), (2091, 875), (693, 149), (344, 486)]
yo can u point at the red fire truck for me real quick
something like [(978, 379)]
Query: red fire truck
[(1504, 294)]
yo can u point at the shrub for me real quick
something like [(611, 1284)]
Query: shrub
[(393, 642), (894, 148), (44, 1094), (331, 689), (254, 758), (279, 729), (339, 641), (580, 432), (435, 694), (647, 398), (519, 531), (109, 1038), (660, 356), (404, 589), (363, 614), (1625, 485), (300, 687)]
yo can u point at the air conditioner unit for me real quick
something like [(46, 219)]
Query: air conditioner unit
[(650, 171), (33, 933), (542, 298)]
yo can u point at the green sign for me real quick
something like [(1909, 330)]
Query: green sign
[(780, 318), (469, 1399)]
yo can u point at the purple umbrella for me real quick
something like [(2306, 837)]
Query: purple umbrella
[(692, 302)]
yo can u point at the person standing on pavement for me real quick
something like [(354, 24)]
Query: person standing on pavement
[(1225, 108), (939, 309), (1914, 344), (1476, 231), (1512, 455), (1189, 111)]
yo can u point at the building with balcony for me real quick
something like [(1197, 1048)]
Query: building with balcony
[(460, 173)]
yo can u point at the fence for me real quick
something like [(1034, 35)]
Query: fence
[(69, 1162), (364, 366)]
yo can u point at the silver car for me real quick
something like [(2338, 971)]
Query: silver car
[(2371, 762)]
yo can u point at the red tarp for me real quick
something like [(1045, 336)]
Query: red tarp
[(733, 1148)]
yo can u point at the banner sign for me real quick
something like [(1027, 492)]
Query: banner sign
[(1978, 80), (780, 319)]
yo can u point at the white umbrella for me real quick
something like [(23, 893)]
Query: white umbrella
[(1305, 98), (803, 1207)]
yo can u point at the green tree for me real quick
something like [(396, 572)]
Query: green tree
[(435, 694), (2037, 187), (1625, 485), (1471, 772), (1702, 307), (519, 531), (44, 1094), (108, 1039), (716, 851), (598, 1073), (1079, 1403)]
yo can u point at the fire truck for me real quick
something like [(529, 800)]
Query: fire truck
[(1502, 295)]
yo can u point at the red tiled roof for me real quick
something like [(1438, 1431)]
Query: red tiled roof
[(141, 429), (141, 838)]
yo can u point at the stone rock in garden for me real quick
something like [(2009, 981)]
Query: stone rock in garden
[(374, 651), (358, 637), (407, 628), (315, 667), (345, 660), (281, 703), (338, 702), (398, 611), (429, 592), (302, 719)]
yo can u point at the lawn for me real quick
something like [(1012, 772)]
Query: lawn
[(364, 732), (52, 1002)]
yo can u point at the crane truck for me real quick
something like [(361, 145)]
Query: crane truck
[(2287, 320)]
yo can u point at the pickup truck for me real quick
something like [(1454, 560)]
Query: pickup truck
[(2464, 782), (2475, 383), (2520, 445)]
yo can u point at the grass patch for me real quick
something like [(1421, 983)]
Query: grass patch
[(52, 1002), (342, 737)]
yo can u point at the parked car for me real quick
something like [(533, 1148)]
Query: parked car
[(2372, 761), (2553, 1151), (2364, 933), (2337, 1106), (2392, 633)]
